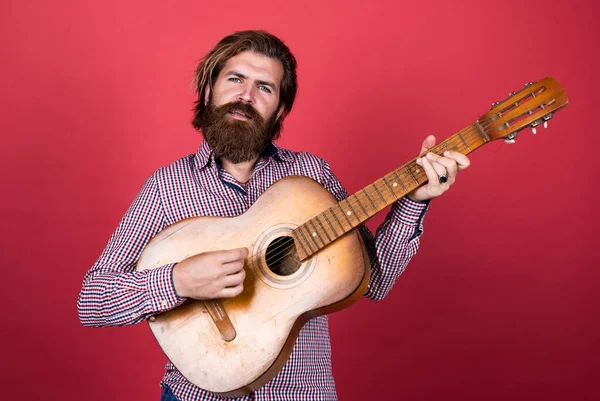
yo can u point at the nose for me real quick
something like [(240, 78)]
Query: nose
[(246, 94)]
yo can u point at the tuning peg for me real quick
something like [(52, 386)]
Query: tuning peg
[(494, 105), (546, 118), (511, 94), (510, 138), (529, 84), (534, 125)]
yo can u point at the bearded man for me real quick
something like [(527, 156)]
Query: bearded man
[(246, 87)]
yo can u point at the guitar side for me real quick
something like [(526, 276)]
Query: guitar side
[(272, 309)]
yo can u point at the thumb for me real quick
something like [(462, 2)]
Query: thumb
[(428, 143)]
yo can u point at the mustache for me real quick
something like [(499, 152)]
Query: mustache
[(245, 108)]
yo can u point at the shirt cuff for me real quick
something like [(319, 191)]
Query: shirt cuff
[(409, 212), (161, 289)]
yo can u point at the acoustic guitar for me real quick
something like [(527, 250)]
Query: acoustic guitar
[(306, 257)]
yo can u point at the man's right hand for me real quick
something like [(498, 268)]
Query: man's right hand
[(211, 275)]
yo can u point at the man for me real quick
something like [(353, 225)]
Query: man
[(246, 87)]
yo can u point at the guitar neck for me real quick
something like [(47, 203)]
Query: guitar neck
[(353, 211)]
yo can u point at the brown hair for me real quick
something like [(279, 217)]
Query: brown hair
[(260, 42)]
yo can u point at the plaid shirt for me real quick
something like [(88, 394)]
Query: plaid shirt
[(114, 294)]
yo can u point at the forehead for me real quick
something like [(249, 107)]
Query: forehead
[(255, 66)]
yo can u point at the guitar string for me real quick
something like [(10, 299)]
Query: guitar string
[(467, 133), (281, 250)]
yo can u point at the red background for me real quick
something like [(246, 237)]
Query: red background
[(500, 302)]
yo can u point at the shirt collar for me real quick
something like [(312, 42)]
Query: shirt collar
[(206, 156)]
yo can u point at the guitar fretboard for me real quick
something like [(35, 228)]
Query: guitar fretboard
[(348, 214)]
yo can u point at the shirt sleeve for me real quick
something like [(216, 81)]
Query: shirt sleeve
[(113, 293), (395, 243)]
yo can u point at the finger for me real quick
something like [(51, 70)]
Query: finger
[(233, 267), (440, 170), (430, 172), (230, 292), (461, 160), (232, 255), (447, 164), (235, 279), (428, 143)]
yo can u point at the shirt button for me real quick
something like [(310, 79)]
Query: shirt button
[(164, 303), (152, 318)]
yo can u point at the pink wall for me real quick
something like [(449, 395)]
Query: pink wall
[(501, 301)]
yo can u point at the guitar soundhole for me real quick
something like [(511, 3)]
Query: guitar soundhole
[(282, 257)]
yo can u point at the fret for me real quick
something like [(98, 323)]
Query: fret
[(481, 131), (299, 242), (389, 187), (411, 174), (379, 193), (350, 211), (345, 215), (401, 181), (456, 144), (369, 199), (299, 229), (465, 142), (323, 228), (329, 222), (314, 234), (338, 221), (310, 236), (360, 204), (403, 187)]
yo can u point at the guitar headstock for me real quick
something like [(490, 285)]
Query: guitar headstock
[(530, 107)]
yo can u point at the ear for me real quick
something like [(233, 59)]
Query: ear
[(280, 112), (207, 95)]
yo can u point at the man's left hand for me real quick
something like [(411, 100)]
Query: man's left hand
[(436, 166)]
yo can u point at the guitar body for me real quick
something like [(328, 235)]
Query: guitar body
[(241, 353), (306, 258)]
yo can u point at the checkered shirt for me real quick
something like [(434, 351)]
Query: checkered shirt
[(114, 294)]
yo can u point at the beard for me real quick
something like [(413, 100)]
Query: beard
[(236, 140)]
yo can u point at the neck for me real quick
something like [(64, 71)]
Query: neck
[(240, 171), (356, 209)]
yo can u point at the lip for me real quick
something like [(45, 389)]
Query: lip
[(239, 115)]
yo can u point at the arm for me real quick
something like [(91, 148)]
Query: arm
[(395, 243), (397, 239), (113, 293)]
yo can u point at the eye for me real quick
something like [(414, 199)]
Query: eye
[(264, 88), (234, 79)]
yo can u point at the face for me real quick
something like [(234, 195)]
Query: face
[(242, 109), (250, 78)]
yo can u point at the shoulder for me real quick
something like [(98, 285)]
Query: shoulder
[(305, 163), (178, 169), (317, 168)]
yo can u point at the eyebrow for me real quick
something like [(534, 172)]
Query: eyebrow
[(240, 75)]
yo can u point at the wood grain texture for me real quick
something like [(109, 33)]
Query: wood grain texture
[(269, 313)]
